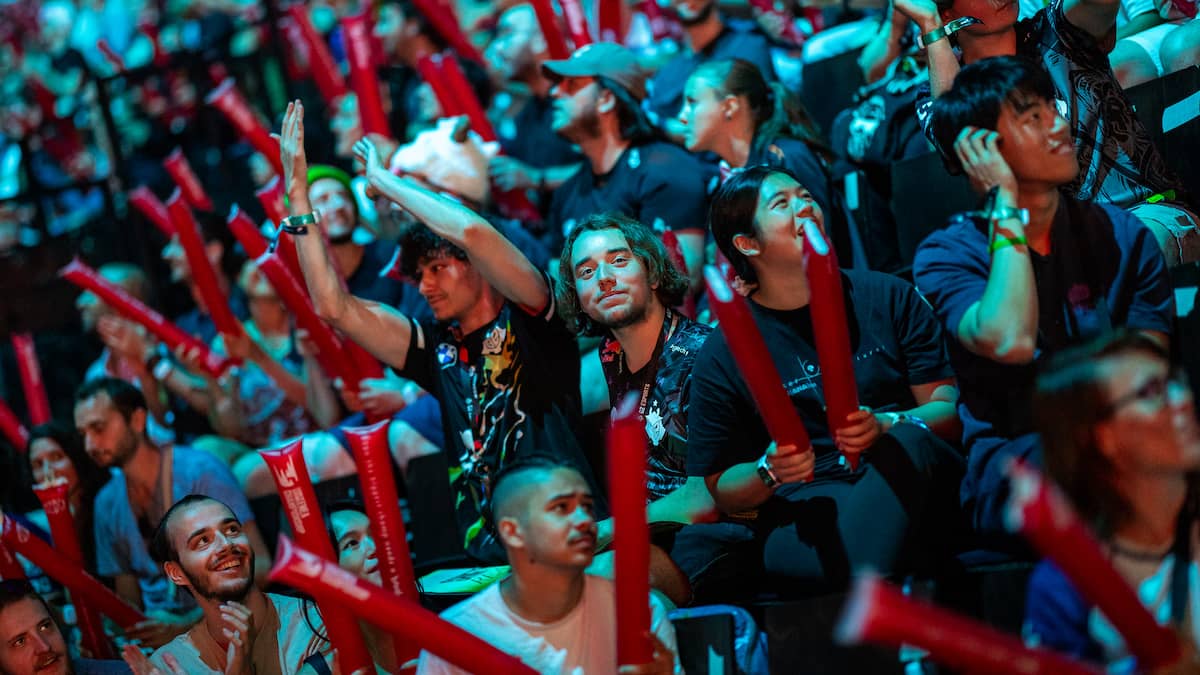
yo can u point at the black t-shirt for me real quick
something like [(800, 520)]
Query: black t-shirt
[(651, 183), (507, 389), (896, 341), (665, 387)]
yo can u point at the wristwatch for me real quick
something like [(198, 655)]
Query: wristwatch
[(945, 31), (1005, 213), (905, 418), (765, 473), (298, 225)]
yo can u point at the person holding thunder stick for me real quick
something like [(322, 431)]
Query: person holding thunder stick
[(550, 612), (1033, 273), (1121, 439), (817, 520), (495, 335), (620, 284), (203, 547)]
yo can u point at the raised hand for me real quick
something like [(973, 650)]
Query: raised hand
[(924, 12), (291, 151), (366, 152), (140, 665)]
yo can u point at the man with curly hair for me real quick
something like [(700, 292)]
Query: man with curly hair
[(486, 355), (618, 284)]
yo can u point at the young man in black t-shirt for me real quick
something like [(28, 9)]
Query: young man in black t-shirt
[(597, 105), (619, 284), (900, 501), (486, 356)]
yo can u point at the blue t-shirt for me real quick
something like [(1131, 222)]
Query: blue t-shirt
[(120, 546), (1105, 271), (740, 39)]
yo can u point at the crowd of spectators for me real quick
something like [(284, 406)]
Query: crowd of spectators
[(537, 240)]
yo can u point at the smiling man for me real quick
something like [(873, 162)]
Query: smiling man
[(598, 95), (111, 415), (203, 548), (550, 613), (1037, 273), (31, 643)]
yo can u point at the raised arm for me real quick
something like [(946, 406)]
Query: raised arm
[(500, 262), (379, 329), (943, 64)]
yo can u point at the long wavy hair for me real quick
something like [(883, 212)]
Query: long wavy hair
[(645, 244)]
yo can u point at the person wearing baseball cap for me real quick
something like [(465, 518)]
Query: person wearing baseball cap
[(598, 94)]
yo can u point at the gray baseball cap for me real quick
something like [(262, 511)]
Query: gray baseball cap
[(602, 59)]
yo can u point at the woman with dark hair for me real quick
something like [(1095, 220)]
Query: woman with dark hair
[(349, 528), (902, 498), (56, 452), (730, 109), (1120, 437)]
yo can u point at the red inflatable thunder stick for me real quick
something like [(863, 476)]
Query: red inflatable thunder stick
[(631, 539), (831, 332), (304, 515), (10, 567), (1039, 511), (370, 448), (32, 384), (577, 24), (611, 21), (229, 101), (86, 278), (881, 614), (547, 20), (152, 207), (11, 427), (675, 253), (321, 64), (754, 360), (193, 191), (356, 31), (66, 541), (446, 24), (333, 586), (246, 232), (272, 200), (84, 587), (331, 352), (201, 267)]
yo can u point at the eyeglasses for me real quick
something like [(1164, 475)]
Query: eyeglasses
[(1155, 391)]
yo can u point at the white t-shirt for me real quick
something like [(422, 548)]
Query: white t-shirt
[(582, 643), (283, 643)]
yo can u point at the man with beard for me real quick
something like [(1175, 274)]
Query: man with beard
[(708, 36), (597, 105), (110, 414), (550, 613), (31, 642), (203, 547), (618, 283)]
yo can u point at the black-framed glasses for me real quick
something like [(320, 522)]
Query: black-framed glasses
[(1156, 391)]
